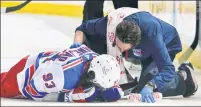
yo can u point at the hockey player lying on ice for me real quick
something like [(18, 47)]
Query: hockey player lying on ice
[(72, 75), (138, 35)]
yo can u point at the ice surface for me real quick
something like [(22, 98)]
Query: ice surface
[(43, 33)]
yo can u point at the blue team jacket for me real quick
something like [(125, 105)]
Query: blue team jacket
[(158, 39)]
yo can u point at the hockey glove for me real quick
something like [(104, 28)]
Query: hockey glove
[(80, 95), (147, 94), (75, 45), (112, 94)]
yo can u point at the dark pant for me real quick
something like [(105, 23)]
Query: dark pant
[(94, 8), (174, 87), (125, 3)]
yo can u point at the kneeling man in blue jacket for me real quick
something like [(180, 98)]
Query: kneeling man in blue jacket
[(141, 36)]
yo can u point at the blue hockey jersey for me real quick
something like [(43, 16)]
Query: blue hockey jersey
[(53, 72)]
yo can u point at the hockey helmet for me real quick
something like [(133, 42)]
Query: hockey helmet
[(104, 71)]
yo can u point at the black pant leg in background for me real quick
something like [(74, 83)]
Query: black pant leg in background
[(93, 9), (125, 3)]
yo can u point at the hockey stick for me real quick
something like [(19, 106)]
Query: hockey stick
[(14, 8), (190, 50)]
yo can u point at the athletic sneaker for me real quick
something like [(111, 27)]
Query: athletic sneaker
[(191, 83)]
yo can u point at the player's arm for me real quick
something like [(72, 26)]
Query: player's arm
[(96, 27), (91, 94)]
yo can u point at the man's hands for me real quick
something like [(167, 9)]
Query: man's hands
[(147, 94)]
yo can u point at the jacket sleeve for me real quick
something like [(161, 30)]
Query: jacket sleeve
[(162, 59), (96, 27)]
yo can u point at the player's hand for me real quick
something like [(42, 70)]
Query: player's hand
[(80, 95), (112, 94), (75, 45), (147, 94)]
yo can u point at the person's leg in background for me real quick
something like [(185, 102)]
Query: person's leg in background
[(9, 85), (125, 3), (93, 9)]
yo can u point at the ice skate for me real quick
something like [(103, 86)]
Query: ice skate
[(191, 83)]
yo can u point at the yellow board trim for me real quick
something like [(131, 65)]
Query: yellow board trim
[(76, 11), (48, 8)]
